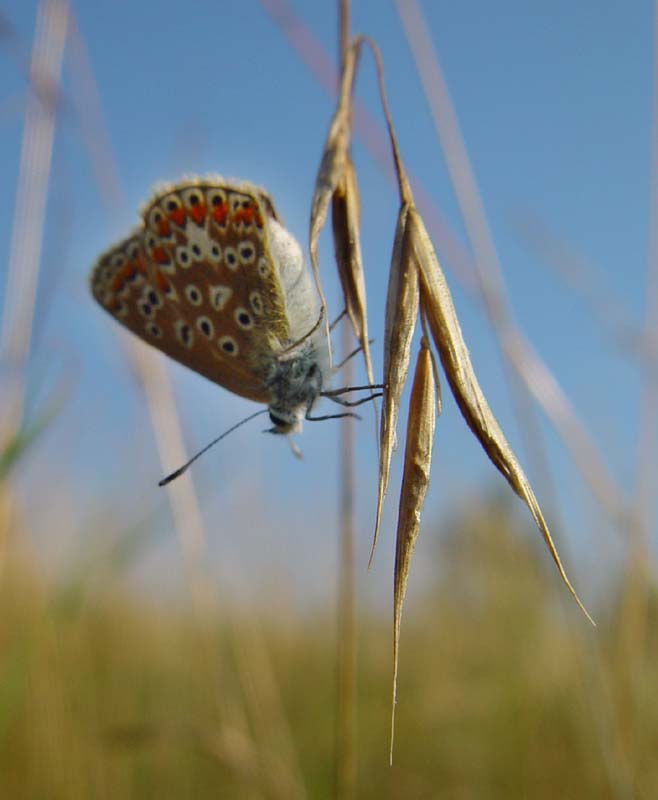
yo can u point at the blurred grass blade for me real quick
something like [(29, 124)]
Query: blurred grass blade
[(19, 443), (415, 479), (446, 332), (345, 218), (14, 685), (401, 313)]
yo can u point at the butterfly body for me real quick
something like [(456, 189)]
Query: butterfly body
[(295, 384), (213, 279)]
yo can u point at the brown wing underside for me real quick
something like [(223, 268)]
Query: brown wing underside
[(197, 281)]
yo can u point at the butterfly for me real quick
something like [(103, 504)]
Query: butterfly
[(212, 278)]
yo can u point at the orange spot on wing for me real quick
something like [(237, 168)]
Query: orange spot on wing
[(117, 282), (245, 215), (163, 283), (198, 213), (219, 212), (164, 228), (178, 216), (160, 255)]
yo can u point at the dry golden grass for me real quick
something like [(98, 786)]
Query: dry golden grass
[(103, 697)]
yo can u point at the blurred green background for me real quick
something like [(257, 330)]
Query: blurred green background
[(502, 692)]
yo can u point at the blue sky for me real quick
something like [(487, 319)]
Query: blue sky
[(554, 105)]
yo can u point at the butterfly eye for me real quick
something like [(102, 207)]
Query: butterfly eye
[(275, 419)]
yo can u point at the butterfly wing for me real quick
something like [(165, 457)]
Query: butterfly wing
[(197, 280)]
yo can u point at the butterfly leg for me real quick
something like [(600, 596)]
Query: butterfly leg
[(345, 389), (351, 355), (338, 319), (351, 403), (332, 416)]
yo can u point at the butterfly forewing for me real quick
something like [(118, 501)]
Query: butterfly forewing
[(198, 282)]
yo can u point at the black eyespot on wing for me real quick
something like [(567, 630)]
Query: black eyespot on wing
[(228, 345)]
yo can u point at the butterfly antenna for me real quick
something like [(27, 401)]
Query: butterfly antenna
[(177, 473)]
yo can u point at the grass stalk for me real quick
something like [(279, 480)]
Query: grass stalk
[(346, 653)]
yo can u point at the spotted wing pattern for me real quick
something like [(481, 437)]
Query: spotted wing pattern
[(197, 281)]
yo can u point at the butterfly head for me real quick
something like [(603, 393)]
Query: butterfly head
[(295, 384)]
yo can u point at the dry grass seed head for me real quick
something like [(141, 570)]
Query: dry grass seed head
[(401, 313), (335, 157), (445, 329), (415, 480), (345, 218)]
